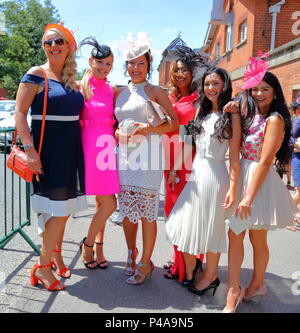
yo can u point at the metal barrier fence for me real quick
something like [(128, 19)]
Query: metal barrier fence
[(15, 198)]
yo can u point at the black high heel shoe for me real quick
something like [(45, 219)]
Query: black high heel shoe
[(186, 282), (87, 264), (214, 285)]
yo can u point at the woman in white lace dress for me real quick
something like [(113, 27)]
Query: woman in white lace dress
[(140, 156)]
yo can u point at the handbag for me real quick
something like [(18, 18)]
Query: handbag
[(17, 159), (156, 114)]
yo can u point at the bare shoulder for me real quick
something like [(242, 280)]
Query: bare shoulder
[(275, 119), (117, 90), (36, 70)]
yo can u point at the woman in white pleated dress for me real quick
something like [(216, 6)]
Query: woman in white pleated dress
[(196, 223)]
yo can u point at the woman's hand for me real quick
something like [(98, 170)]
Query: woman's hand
[(231, 107), (122, 137), (172, 180), (140, 129), (33, 160), (244, 208), (297, 146), (229, 199)]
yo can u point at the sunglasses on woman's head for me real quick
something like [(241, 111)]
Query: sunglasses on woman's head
[(57, 41)]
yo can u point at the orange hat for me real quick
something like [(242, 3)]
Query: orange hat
[(66, 31)]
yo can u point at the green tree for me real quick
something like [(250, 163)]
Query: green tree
[(20, 45)]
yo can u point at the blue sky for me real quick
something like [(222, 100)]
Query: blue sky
[(108, 20)]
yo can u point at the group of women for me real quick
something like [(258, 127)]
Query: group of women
[(87, 121)]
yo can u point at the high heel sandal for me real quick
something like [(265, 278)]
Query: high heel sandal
[(186, 282), (103, 264), (168, 265), (142, 278), (129, 270), (34, 279), (61, 272), (237, 302), (86, 264), (258, 295), (213, 285)]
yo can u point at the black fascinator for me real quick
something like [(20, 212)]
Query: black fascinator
[(98, 51), (197, 61)]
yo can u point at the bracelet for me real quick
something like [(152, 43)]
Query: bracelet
[(173, 172), (27, 147)]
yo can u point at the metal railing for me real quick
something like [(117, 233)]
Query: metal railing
[(15, 198)]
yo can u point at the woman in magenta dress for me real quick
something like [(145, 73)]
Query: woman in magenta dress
[(97, 133), (183, 96)]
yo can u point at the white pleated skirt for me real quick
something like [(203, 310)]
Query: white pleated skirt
[(273, 206), (196, 223)]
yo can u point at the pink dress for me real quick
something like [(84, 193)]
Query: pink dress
[(98, 141)]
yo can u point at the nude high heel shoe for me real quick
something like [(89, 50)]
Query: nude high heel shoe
[(129, 270), (138, 277), (258, 295), (237, 302)]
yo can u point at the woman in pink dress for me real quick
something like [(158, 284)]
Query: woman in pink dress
[(183, 94), (98, 143)]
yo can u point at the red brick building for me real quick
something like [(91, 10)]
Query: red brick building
[(238, 29)]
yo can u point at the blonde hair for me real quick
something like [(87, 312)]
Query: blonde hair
[(70, 67), (85, 84)]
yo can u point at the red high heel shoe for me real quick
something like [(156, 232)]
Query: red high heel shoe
[(34, 279), (61, 272)]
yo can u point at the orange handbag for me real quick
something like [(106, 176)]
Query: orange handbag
[(17, 159)]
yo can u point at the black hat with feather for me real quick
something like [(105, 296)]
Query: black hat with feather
[(98, 51)]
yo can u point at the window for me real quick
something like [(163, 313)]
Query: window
[(218, 50), (243, 31), (229, 38)]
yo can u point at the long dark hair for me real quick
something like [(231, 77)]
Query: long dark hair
[(223, 129), (249, 108)]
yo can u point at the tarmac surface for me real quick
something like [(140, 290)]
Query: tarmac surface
[(105, 291)]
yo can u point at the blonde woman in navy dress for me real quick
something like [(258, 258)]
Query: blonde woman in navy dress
[(60, 191)]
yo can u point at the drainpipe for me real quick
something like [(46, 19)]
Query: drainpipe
[(274, 11)]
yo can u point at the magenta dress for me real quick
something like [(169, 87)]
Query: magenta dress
[(98, 141)]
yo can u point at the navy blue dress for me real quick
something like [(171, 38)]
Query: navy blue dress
[(61, 190), (296, 156)]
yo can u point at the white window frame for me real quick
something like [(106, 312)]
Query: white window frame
[(229, 38), (243, 32), (218, 50)]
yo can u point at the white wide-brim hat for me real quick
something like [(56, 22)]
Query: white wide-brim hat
[(133, 46)]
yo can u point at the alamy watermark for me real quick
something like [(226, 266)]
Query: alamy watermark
[(296, 284), (296, 25)]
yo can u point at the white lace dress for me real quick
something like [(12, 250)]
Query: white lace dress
[(140, 165)]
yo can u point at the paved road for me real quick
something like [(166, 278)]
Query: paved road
[(105, 291)]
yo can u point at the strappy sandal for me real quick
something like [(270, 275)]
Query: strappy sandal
[(87, 264), (139, 278), (55, 286), (129, 270), (61, 272), (103, 264), (168, 265)]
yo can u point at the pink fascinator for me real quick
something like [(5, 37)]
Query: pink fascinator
[(255, 71)]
